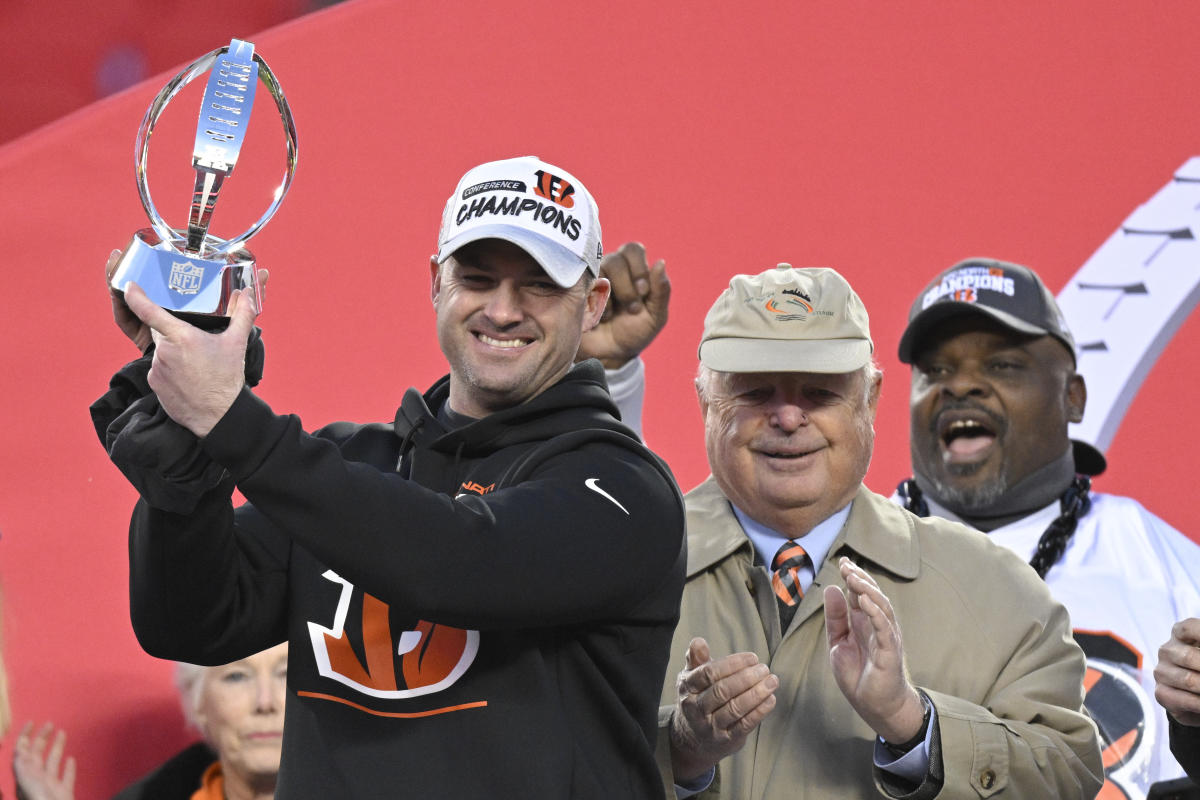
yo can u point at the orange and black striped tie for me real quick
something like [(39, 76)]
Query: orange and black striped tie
[(785, 579)]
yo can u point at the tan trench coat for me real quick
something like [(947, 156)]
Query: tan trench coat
[(982, 637)]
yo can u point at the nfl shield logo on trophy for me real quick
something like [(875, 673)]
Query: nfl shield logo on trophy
[(186, 277)]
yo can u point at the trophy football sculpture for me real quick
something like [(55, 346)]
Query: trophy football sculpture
[(191, 272)]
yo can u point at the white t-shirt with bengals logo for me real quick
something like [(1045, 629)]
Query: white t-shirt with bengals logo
[(1126, 577)]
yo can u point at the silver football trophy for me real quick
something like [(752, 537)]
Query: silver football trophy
[(192, 273)]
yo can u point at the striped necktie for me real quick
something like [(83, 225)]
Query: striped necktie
[(785, 579)]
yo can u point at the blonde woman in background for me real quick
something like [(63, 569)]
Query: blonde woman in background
[(238, 709)]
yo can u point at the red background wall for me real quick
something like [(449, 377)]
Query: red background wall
[(886, 140), (60, 55)]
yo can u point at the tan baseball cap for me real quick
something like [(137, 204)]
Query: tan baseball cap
[(787, 320)]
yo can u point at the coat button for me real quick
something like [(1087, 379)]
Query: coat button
[(987, 779)]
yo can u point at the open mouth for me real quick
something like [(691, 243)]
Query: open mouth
[(966, 438)]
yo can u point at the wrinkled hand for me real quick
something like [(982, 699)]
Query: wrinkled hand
[(866, 654), (720, 703), (37, 770), (1177, 675), (197, 375), (636, 310)]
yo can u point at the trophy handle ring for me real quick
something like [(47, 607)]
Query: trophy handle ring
[(218, 246)]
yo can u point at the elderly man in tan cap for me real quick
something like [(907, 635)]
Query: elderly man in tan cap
[(793, 679)]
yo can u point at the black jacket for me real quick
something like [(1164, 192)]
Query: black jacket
[(1185, 746), (177, 778), (479, 612)]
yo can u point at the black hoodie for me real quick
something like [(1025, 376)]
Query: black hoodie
[(482, 612)]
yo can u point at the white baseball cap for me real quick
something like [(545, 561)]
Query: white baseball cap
[(541, 208)]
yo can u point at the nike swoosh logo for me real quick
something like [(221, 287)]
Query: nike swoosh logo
[(591, 484)]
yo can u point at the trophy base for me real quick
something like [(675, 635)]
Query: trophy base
[(193, 288)]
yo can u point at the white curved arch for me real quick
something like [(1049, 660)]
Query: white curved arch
[(1128, 300)]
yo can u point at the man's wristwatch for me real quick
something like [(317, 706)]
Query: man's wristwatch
[(903, 747)]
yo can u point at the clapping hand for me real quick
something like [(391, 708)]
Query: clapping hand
[(866, 653), (720, 702)]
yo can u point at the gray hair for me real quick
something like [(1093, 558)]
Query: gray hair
[(190, 680)]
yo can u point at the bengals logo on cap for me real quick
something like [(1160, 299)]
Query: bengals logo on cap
[(554, 188)]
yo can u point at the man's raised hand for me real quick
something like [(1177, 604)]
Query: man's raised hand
[(197, 375), (636, 310)]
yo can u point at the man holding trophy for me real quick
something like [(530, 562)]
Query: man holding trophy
[(479, 596)]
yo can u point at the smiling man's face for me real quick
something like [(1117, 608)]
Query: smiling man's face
[(508, 331), (988, 407), (789, 448)]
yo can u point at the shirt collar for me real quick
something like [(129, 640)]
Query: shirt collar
[(816, 542), (876, 529)]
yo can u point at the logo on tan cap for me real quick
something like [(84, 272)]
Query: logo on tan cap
[(787, 320)]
